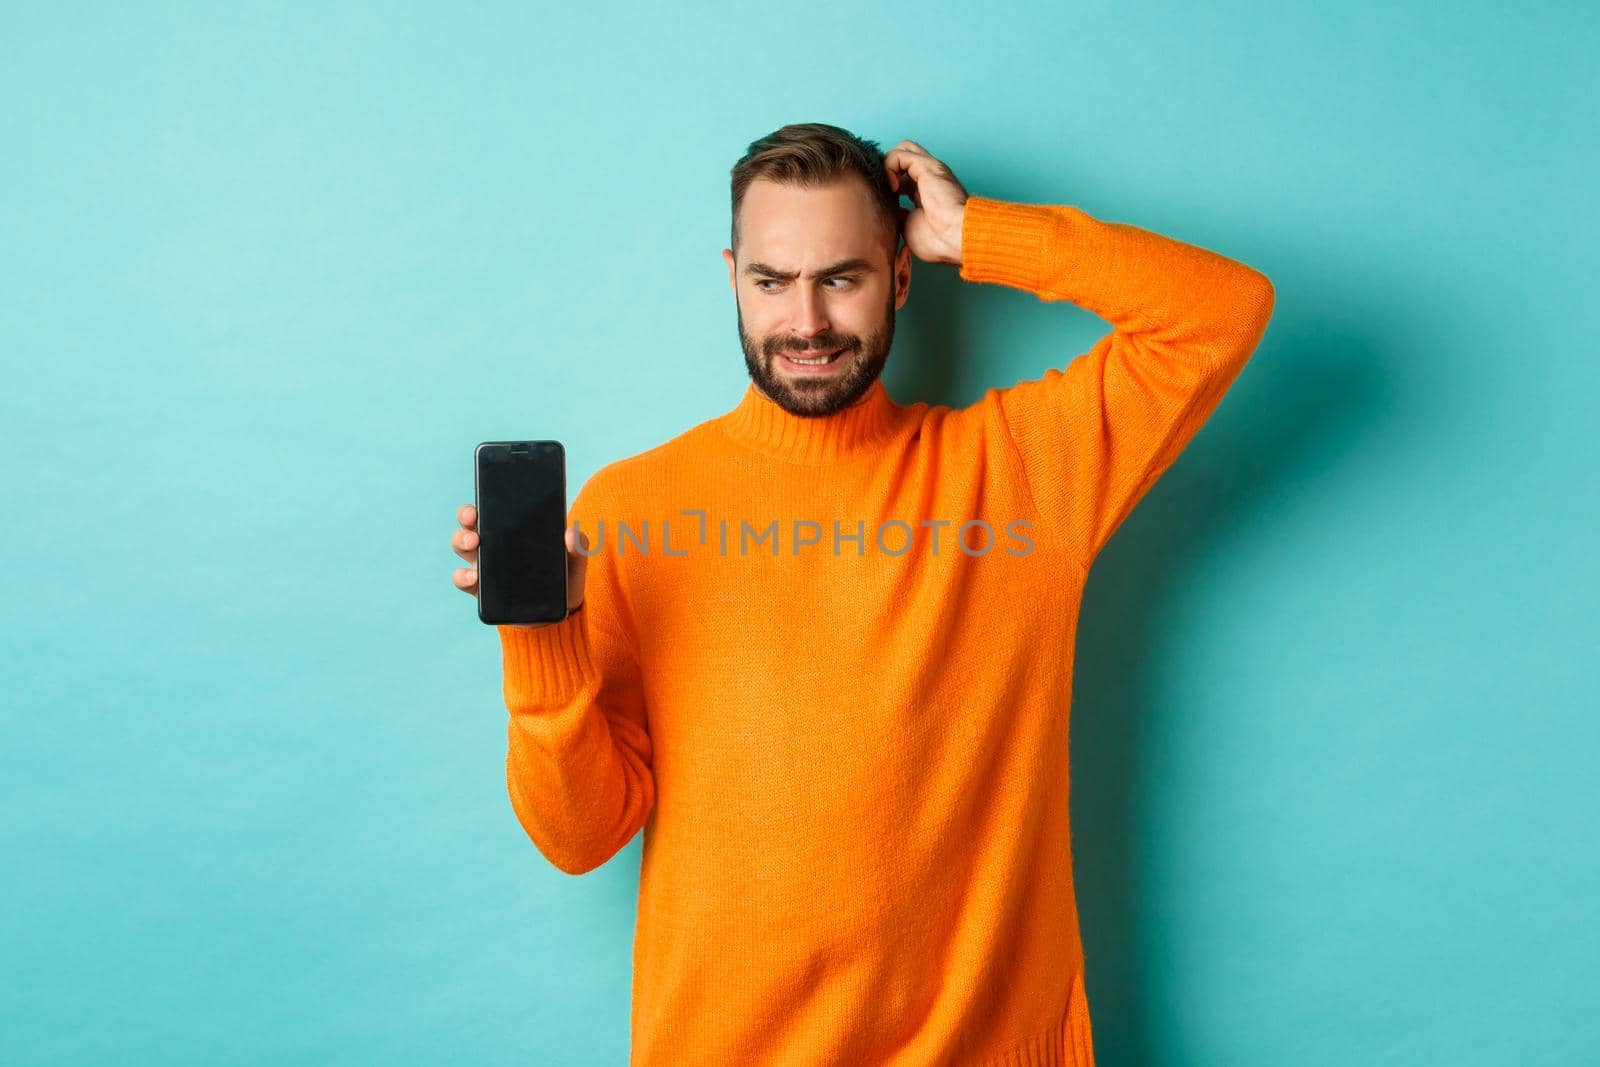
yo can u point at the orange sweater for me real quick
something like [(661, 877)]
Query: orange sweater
[(839, 714)]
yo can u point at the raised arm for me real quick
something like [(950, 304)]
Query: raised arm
[(578, 760), (1093, 437)]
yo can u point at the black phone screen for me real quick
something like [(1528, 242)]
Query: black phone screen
[(522, 519)]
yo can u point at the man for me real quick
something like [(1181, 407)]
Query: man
[(834, 687)]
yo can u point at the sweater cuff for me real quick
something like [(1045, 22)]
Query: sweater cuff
[(1006, 242), (547, 665)]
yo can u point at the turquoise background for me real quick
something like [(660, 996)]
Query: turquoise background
[(270, 274)]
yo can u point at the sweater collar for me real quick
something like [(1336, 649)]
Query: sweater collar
[(860, 429)]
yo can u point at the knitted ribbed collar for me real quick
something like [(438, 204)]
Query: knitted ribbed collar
[(857, 431)]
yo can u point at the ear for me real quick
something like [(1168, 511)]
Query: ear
[(727, 257), (902, 276)]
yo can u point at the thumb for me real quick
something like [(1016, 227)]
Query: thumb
[(577, 565)]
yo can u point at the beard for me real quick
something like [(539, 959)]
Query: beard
[(860, 364)]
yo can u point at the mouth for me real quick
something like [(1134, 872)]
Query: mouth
[(812, 363)]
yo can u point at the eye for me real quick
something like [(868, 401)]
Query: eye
[(763, 283)]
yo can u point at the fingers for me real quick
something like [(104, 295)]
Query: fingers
[(907, 158), (465, 544), (908, 164), (910, 189)]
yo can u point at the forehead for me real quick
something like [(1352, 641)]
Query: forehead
[(792, 226)]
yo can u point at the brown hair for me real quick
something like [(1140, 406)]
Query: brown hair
[(812, 154)]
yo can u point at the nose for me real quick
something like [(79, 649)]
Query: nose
[(812, 316)]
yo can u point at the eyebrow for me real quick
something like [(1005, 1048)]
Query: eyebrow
[(837, 268)]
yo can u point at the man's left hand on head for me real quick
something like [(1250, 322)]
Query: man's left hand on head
[(933, 228)]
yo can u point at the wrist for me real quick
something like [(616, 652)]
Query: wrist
[(953, 240)]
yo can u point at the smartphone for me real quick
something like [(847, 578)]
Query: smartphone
[(520, 491)]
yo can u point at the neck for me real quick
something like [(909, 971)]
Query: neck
[(761, 423)]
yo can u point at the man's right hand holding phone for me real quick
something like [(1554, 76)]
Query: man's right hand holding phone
[(465, 543)]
